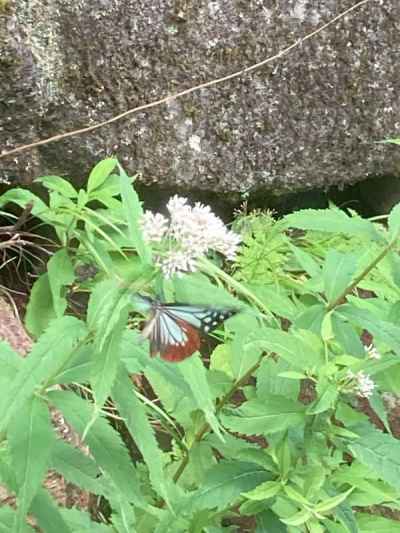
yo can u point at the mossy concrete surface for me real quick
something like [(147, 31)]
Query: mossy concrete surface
[(308, 120)]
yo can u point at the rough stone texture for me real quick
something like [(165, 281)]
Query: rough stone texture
[(307, 120)]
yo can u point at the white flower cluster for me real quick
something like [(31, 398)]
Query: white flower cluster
[(191, 231), (363, 384)]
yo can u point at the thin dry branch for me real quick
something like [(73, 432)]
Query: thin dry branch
[(172, 97)]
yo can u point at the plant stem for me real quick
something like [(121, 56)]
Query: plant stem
[(206, 426), (364, 273)]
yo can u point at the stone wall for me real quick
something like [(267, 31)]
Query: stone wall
[(308, 120)]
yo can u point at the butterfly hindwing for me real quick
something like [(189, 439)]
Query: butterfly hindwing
[(174, 329)]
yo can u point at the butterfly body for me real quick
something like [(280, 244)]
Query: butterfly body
[(174, 329)]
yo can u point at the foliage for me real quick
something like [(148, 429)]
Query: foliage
[(268, 425)]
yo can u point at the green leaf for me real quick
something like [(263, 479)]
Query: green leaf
[(327, 394), (298, 518), (7, 519), (338, 273), (311, 319), (197, 289), (395, 140), (225, 482), (108, 303), (100, 173), (104, 443), (380, 452), (265, 490), (55, 183), (269, 380), (80, 522), (331, 220), (105, 362), (133, 213), (346, 335), (47, 358), (306, 261), (268, 522), (40, 310), (381, 329), (61, 273), (31, 438), (10, 362), (301, 349), (394, 221), (330, 503), (368, 523), (276, 300), (135, 418), (195, 375), (22, 197), (48, 514), (77, 468), (257, 417)]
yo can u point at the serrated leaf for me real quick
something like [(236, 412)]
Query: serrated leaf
[(269, 380), (295, 496), (380, 452), (197, 289), (276, 300), (225, 482), (40, 310), (56, 183), (48, 514), (194, 374), (135, 418), (100, 173), (10, 362), (105, 362), (331, 220), (369, 523), (46, 359), (31, 438), (338, 272), (80, 522), (297, 347), (394, 221), (61, 273), (306, 261), (265, 490), (77, 468), (381, 329), (7, 519), (257, 417), (133, 213), (107, 307), (104, 443)]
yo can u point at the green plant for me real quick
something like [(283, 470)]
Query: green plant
[(268, 428)]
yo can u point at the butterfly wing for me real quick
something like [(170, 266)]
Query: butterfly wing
[(174, 329), (172, 338)]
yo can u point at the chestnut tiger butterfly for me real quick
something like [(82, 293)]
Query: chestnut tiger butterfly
[(174, 329)]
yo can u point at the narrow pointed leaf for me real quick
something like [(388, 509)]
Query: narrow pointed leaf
[(134, 414), (133, 212), (31, 438), (194, 373), (104, 443), (61, 274), (100, 173), (47, 358), (338, 273)]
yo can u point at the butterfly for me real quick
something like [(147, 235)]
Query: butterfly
[(174, 329)]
